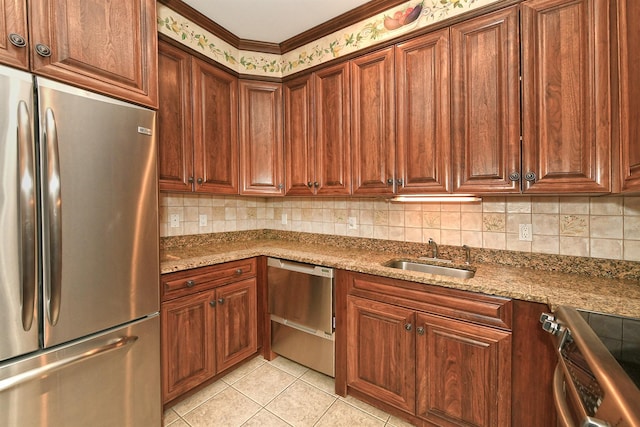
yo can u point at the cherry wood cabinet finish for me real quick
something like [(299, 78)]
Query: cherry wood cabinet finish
[(188, 331), (215, 129), (485, 110), (423, 149), (463, 373), (373, 123), (261, 152), (381, 351), (175, 140), (109, 47), (299, 148), (628, 94), (236, 323), (13, 20), (332, 113), (209, 323), (566, 96)]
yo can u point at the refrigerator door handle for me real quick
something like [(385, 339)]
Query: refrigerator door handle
[(54, 211), (49, 368), (27, 212)]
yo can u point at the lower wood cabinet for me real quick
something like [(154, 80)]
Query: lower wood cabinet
[(209, 323)]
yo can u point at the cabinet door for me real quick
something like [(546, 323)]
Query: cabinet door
[(261, 161), (463, 373), (175, 143), (485, 96), (13, 26), (373, 123), (109, 47), (236, 322), (298, 137), (215, 129), (628, 57), (188, 356), (332, 124), (423, 145), (566, 96), (381, 351)]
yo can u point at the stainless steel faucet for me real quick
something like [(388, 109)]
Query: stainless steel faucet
[(467, 251), (434, 245)]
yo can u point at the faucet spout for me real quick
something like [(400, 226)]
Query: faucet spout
[(434, 245)]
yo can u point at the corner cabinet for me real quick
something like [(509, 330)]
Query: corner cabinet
[(317, 125), (261, 156), (197, 124), (109, 47), (566, 96), (208, 323), (441, 356)]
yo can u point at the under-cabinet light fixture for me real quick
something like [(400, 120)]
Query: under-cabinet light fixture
[(426, 198)]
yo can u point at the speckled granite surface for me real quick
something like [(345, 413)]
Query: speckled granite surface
[(606, 286)]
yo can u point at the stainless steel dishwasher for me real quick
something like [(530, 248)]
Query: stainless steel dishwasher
[(301, 306)]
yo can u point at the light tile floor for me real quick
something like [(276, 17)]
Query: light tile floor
[(277, 393)]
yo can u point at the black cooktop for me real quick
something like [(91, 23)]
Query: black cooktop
[(621, 335)]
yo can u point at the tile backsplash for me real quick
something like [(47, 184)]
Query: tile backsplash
[(597, 227)]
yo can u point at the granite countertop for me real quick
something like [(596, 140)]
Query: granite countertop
[(531, 282)]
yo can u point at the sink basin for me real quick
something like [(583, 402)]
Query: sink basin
[(431, 269)]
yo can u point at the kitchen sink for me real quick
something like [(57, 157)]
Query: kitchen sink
[(430, 268)]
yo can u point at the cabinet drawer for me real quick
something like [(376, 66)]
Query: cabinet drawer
[(454, 303), (195, 280)]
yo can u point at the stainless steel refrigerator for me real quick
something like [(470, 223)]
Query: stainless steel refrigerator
[(79, 264)]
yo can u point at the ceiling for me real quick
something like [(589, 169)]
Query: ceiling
[(272, 21)]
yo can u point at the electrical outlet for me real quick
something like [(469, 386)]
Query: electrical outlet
[(352, 224), (203, 220), (174, 220), (284, 219), (525, 232)]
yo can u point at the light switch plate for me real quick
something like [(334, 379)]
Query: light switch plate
[(203, 220), (174, 220)]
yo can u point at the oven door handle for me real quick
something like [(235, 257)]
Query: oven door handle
[(560, 400)]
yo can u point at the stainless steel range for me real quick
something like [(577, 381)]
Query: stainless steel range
[(597, 379)]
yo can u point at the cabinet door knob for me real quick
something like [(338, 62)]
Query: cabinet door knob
[(408, 326), (399, 181), (190, 180), (17, 40), (530, 176), (390, 181), (212, 303), (280, 186), (316, 184), (514, 176), (190, 283), (221, 301), (239, 271), (200, 181), (309, 184), (43, 50), (420, 330)]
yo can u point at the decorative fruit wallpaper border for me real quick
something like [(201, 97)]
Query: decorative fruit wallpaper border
[(393, 22)]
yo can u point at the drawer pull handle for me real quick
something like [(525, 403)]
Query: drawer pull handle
[(420, 330), (221, 301), (408, 326), (239, 271), (190, 283)]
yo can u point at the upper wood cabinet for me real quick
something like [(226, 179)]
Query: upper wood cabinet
[(109, 47), (197, 124), (298, 136), (627, 125), (175, 139), (261, 155), (485, 98), (566, 96), (373, 123), (423, 149), (14, 35), (317, 133), (332, 130)]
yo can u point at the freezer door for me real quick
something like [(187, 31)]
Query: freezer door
[(112, 379), (18, 211), (100, 212)]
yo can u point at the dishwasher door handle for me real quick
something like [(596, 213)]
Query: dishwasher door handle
[(313, 270)]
